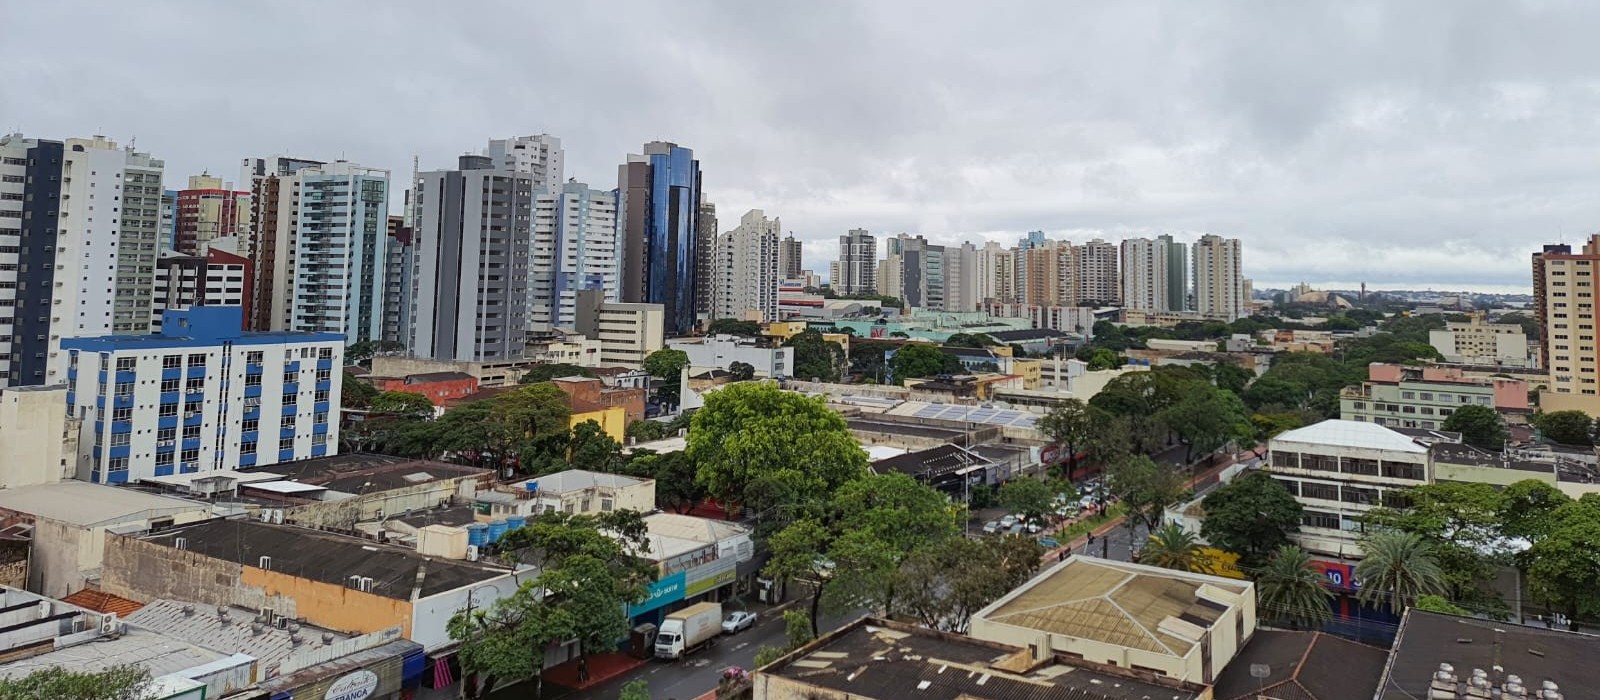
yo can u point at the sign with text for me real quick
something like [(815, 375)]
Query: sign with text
[(669, 589)]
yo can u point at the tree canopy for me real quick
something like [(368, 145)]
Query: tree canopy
[(729, 326), (971, 340), (917, 360), (1480, 426), (741, 371), (815, 358), (1289, 589), (944, 584), (407, 403), (761, 446), (555, 370), (667, 365), (1030, 497), (1145, 488), (1252, 516), (1068, 424), (1567, 427), (127, 682), (1397, 569)]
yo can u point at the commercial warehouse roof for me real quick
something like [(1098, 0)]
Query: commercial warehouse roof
[(86, 504), (967, 414), (157, 653), (1351, 433), (235, 634)]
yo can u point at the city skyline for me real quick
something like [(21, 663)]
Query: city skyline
[(1437, 142)]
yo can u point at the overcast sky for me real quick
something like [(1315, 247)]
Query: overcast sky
[(1397, 143)]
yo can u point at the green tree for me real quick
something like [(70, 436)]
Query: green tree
[(1398, 567), (667, 365), (944, 584), (555, 370), (1460, 523), (355, 392), (815, 358), (799, 553), (1442, 605), (126, 682), (1103, 358), (729, 326), (530, 422), (970, 340), (1567, 427), (1068, 424), (1529, 508), (1110, 437), (1028, 496), (405, 403), (674, 473), (590, 448), (362, 352), (763, 447), (1480, 426), (1207, 418), (1145, 488), (1172, 547), (636, 689), (742, 371), (1564, 566), (878, 522), (645, 430), (1252, 516), (917, 360), (1289, 589)]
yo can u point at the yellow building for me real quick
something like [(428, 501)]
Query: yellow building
[(612, 419)]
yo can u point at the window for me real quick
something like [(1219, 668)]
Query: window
[(320, 418), (195, 385), (169, 410), (190, 456), (1324, 463), (1402, 470), (247, 448), (1357, 465), (191, 432), (171, 362), (166, 435), (1312, 489), (325, 353), (1357, 494), (254, 357), (606, 504), (1483, 400), (324, 375), (286, 443), (1285, 459), (164, 459), (291, 377), (319, 439), (1408, 395), (1426, 396), (121, 414), (120, 438), (125, 364), (291, 399), (1291, 485), (1312, 518), (251, 425), (322, 395), (169, 385), (118, 464), (252, 380), (197, 359)]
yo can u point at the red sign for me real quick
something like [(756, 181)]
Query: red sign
[(1338, 574)]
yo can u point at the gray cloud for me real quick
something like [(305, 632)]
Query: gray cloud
[(1390, 142)]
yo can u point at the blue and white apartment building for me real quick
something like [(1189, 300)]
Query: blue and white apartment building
[(202, 395)]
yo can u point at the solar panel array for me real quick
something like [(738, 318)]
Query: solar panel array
[(978, 414)]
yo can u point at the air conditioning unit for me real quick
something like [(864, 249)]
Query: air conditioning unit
[(277, 516), (109, 625), (180, 543), (366, 584), (472, 552), (266, 517), (264, 563)]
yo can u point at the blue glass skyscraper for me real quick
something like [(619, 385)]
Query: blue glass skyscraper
[(658, 205)]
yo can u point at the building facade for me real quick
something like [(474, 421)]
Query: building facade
[(202, 396), (1424, 397), (659, 229), (1478, 342), (1338, 470), (790, 252), (216, 278), (1144, 274), (1098, 272), (397, 283), (1219, 290), (745, 282), (1566, 316), (856, 270), (540, 157), (705, 268), (918, 267), (209, 209), (1177, 274), (720, 351), (574, 248), (473, 227), (627, 332), (31, 211)]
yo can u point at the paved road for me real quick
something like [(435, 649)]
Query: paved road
[(689, 678)]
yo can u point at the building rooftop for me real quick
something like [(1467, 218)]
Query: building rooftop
[(1301, 666), (158, 653), (103, 602), (1128, 605), (1350, 433), (578, 480), (877, 659), (662, 446), (326, 557), (1535, 654), (934, 461), (85, 504), (197, 326), (1004, 417), (869, 425), (239, 633), (359, 473), (454, 516), (427, 377), (1024, 335)]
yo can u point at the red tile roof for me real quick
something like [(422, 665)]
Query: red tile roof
[(103, 602)]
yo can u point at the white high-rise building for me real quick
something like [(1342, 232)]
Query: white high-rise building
[(855, 272), (1144, 274), (1218, 281), (540, 156), (963, 283), (470, 246), (320, 245), (574, 248), (996, 273), (746, 269), (1097, 272)]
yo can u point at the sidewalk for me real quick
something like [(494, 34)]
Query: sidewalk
[(602, 667)]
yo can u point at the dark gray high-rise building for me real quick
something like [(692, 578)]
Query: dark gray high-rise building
[(705, 267), (471, 235), (659, 200)]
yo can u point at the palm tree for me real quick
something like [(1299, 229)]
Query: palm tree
[(1289, 588), (1172, 547), (1398, 569)]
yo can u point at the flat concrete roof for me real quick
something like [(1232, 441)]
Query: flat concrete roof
[(85, 504)]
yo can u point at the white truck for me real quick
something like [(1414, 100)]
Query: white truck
[(689, 630)]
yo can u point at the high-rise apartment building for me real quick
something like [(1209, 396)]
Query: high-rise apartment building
[(319, 235), (208, 209), (220, 277), (747, 271), (574, 248), (1564, 291), (169, 220), (201, 396), (1218, 282), (470, 244), (659, 229), (705, 269), (855, 272), (397, 279), (31, 213), (1177, 274), (1098, 273), (920, 268), (1049, 274), (996, 273), (789, 263), (1144, 274), (961, 278), (540, 157)]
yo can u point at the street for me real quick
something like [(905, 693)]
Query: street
[(691, 677)]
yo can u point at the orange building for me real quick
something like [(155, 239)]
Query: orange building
[(439, 387)]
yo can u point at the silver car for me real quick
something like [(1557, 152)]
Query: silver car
[(738, 621)]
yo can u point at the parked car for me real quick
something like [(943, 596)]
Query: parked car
[(991, 527), (1016, 529), (738, 621), (1033, 527), (1007, 521)]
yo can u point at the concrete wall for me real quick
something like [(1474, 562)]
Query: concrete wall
[(429, 615), (33, 433), (344, 514), (612, 419)]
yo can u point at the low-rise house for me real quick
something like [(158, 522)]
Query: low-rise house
[(572, 491), (1173, 624), (439, 387)]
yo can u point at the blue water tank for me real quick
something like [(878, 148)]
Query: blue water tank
[(516, 522), (478, 534), (531, 486), (497, 529)]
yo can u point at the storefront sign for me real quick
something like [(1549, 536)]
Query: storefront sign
[(667, 590), (721, 578), (356, 686), (1338, 574)]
